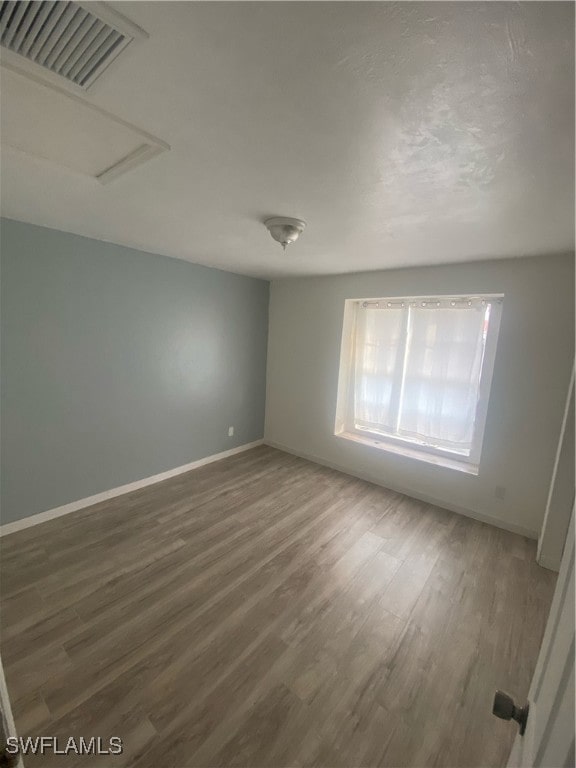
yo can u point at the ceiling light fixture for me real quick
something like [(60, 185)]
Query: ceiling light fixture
[(285, 230)]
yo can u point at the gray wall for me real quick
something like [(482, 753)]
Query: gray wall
[(529, 388), (118, 365)]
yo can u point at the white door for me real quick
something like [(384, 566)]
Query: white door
[(7, 727), (549, 738)]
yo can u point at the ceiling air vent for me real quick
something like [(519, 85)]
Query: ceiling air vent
[(75, 41)]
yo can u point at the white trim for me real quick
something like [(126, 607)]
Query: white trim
[(140, 155), (6, 713), (553, 563), (74, 506), (410, 450), (480, 516), (114, 18), (549, 736)]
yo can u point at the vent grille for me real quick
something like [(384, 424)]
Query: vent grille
[(62, 37)]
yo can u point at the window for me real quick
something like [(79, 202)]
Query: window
[(415, 374)]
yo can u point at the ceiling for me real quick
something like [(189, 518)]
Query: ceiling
[(403, 133)]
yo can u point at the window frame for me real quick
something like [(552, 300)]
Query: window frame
[(344, 425)]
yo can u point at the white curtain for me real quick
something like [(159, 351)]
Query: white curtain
[(379, 351), (418, 369)]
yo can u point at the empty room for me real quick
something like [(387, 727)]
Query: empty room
[(287, 384)]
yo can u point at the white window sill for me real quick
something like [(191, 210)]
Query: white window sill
[(411, 453)]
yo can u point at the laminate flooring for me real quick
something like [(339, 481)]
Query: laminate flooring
[(266, 611)]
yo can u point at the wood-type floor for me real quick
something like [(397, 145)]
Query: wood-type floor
[(266, 611)]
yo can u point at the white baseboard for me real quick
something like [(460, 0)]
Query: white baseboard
[(74, 506), (480, 516)]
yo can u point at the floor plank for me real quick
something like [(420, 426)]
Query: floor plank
[(266, 611)]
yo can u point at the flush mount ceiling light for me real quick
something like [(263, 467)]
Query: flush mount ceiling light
[(285, 230)]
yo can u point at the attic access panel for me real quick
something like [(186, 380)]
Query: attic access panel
[(51, 124)]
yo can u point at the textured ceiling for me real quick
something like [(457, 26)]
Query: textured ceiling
[(404, 133)]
